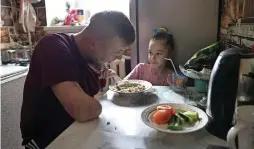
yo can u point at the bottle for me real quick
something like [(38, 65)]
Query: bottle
[(87, 16), (80, 15)]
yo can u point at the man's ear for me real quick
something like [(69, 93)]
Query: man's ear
[(118, 39), (94, 45)]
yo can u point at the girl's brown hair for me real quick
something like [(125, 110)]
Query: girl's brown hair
[(166, 37)]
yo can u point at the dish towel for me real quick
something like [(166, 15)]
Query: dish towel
[(27, 15)]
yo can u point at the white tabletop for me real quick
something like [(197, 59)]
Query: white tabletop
[(120, 127), (9, 69)]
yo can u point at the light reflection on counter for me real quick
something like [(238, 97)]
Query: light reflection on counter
[(12, 71)]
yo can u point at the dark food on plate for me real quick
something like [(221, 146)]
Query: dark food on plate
[(130, 88), (176, 119), (204, 58)]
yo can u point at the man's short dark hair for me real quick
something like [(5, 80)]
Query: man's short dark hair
[(119, 23)]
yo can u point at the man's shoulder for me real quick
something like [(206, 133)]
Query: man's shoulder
[(54, 42), (55, 38)]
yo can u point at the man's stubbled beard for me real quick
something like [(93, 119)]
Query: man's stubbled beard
[(96, 63)]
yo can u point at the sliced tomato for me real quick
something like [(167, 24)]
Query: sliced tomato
[(170, 110), (161, 116), (163, 107)]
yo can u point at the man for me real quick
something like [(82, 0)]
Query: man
[(64, 76)]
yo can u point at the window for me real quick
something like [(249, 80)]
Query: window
[(95, 6), (57, 8)]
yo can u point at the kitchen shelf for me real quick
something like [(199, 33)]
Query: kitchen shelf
[(64, 29)]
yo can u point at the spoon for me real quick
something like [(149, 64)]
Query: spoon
[(116, 77), (168, 59)]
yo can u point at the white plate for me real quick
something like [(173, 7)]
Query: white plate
[(147, 85), (202, 75), (148, 112)]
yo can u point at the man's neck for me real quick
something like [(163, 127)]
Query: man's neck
[(83, 43)]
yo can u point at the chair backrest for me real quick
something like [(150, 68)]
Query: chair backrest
[(119, 67)]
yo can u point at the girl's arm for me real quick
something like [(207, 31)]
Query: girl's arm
[(135, 73)]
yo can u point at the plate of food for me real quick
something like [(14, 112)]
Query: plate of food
[(130, 86), (174, 118)]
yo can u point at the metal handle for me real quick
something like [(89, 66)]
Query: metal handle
[(233, 133)]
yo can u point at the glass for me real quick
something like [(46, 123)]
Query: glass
[(177, 81)]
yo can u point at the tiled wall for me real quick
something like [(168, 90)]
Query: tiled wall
[(237, 22), (11, 29)]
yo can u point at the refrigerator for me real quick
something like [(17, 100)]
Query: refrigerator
[(193, 24)]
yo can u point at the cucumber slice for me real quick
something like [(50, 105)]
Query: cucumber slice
[(180, 119), (193, 115), (176, 124), (186, 118)]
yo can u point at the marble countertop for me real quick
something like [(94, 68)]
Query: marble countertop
[(11, 71), (120, 127)]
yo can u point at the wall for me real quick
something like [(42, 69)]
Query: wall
[(51, 10), (11, 31), (237, 23)]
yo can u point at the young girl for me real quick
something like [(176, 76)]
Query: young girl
[(157, 69)]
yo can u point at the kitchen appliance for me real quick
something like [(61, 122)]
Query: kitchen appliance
[(23, 56), (222, 90), (19, 56), (8, 56), (245, 92), (244, 129), (244, 116), (5, 57)]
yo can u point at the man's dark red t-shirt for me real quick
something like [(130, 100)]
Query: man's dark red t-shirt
[(56, 59)]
